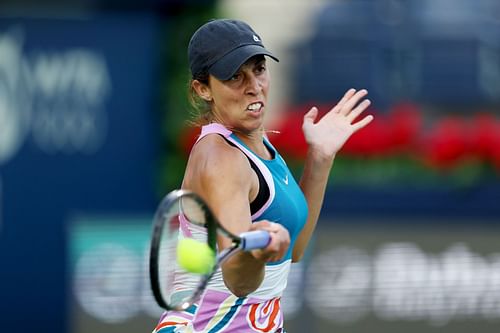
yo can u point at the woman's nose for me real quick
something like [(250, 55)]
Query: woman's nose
[(254, 85)]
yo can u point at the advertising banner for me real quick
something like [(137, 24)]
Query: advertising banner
[(77, 134), (379, 277)]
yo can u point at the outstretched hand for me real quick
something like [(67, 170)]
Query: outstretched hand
[(328, 134)]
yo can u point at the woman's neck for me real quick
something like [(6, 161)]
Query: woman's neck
[(255, 141), (252, 139)]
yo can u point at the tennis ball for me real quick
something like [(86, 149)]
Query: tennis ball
[(194, 256)]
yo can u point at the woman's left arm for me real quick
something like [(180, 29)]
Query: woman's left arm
[(325, 138)]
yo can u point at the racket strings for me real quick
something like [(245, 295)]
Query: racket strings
[(185, 219)]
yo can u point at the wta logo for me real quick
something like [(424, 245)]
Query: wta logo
[(54, 97), (265, 317), (14, 104)]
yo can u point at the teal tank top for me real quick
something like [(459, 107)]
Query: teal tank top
[(286, 203)]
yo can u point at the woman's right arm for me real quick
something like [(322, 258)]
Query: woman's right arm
[(222, 175)]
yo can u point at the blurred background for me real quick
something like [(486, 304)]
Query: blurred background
[(93, 133)]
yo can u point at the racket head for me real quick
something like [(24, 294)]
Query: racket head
[(180, 215)]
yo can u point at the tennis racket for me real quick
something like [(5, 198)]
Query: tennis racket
[(180, 215)]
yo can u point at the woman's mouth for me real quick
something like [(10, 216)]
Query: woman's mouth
[(255, 107)]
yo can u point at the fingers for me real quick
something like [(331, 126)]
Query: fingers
[(358, 110), (344, 99), (350, 103), (278, 246), (260, 225), (310, 116), (280, 241), (362, 123)]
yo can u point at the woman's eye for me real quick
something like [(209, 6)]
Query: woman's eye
[(235, 77)]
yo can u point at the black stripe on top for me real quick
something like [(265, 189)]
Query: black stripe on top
[(264, 192)]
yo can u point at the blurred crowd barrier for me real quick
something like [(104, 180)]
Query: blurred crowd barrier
[(437, 52), (385, 275)]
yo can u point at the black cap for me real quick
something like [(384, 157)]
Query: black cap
[(222, 46)]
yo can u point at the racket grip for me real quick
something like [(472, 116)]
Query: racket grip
[(257, 239)]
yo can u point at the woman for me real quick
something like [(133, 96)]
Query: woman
[(244, 180)]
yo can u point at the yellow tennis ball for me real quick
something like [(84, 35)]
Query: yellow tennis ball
[(194, 256)]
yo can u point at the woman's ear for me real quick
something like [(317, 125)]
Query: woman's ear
[(203, 90)]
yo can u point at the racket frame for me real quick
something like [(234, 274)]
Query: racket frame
[(213, 228)]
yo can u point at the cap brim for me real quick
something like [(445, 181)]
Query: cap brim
[(229, 64)]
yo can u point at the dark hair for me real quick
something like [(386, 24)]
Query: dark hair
[(201, 109)]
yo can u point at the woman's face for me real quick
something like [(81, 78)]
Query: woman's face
[(240, 102)]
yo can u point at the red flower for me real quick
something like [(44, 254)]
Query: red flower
[(486, 138), (406, 123), (448, 142), (290, 140)]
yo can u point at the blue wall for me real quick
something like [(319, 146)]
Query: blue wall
[(79, 96)]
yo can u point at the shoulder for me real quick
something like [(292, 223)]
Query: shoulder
[(216, 151), (213, 159)]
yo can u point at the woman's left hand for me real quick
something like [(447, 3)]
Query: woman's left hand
[(327, 135)]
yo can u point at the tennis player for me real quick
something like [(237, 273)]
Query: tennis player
[(235, 168)]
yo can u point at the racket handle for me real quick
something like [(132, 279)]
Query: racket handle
[(252, 240)]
